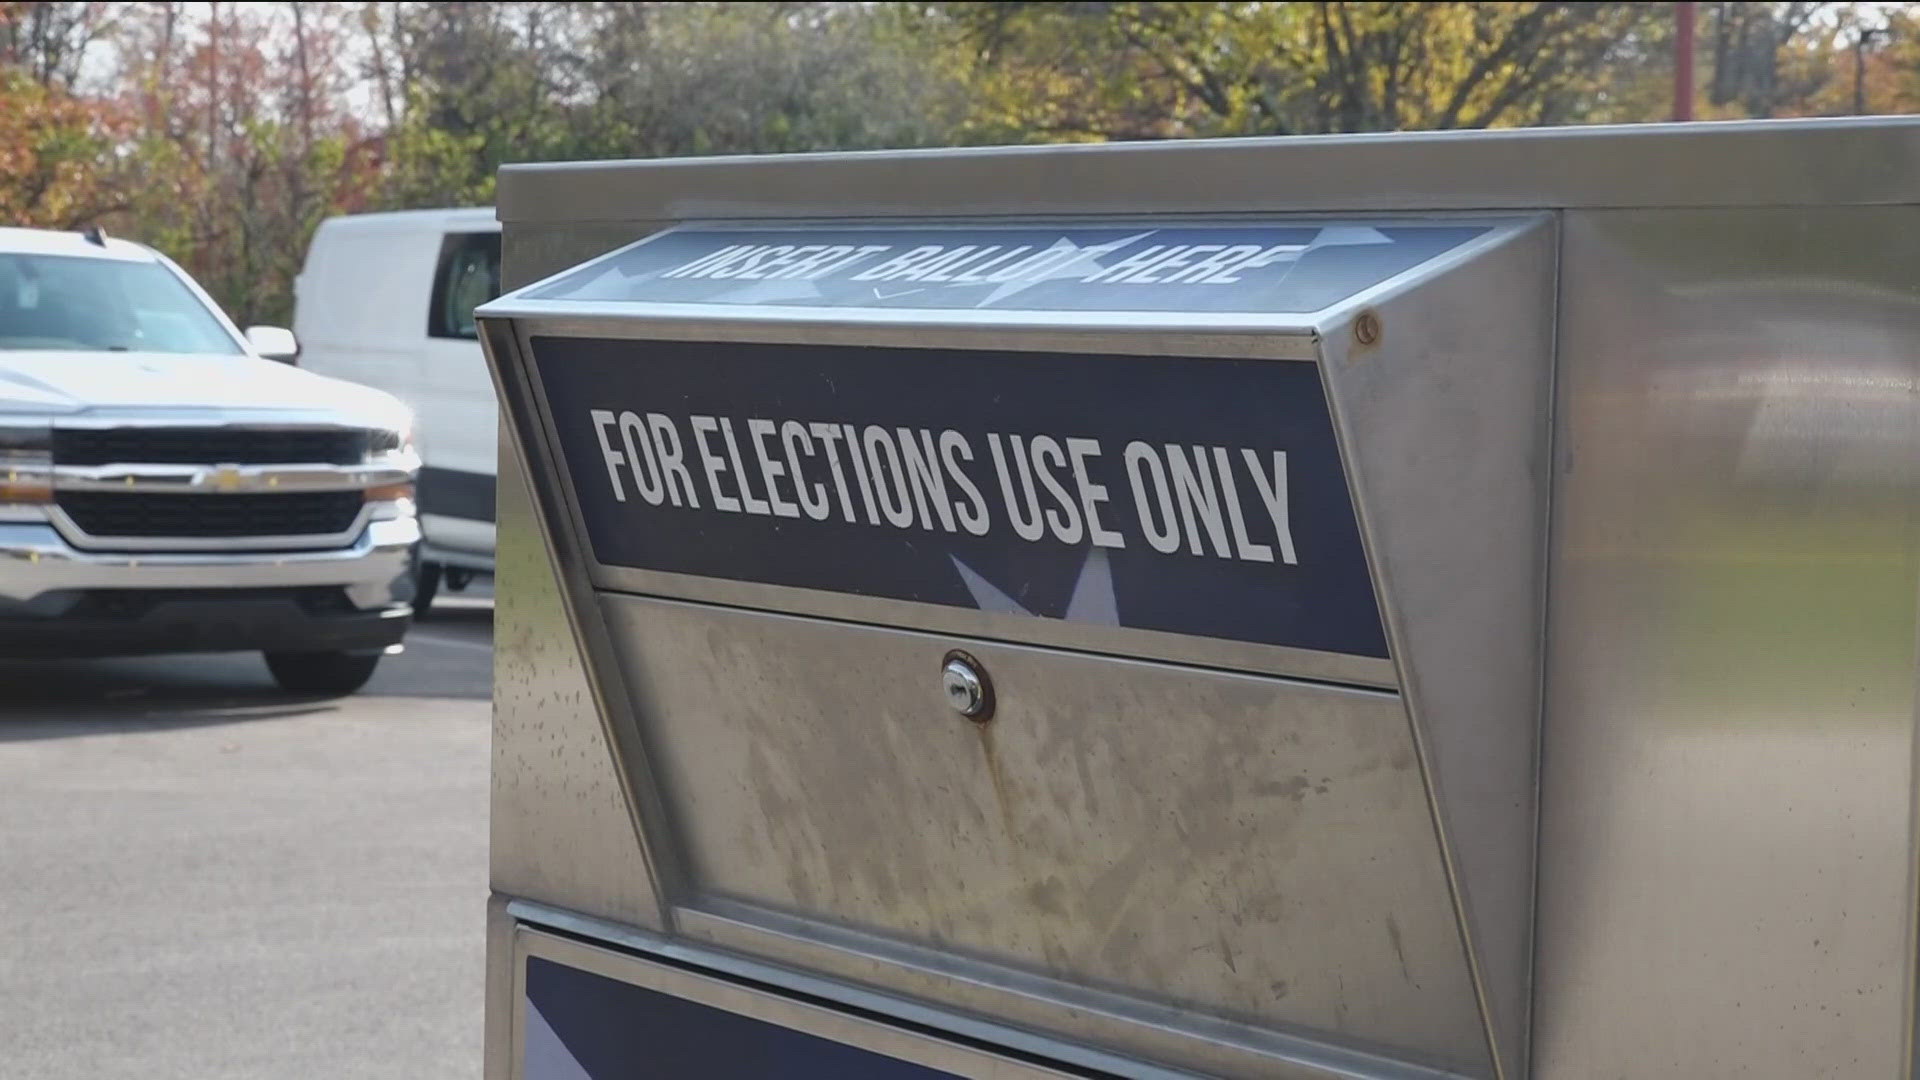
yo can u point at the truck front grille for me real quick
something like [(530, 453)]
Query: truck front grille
[(131, 604), (113, 514), (210, 446)]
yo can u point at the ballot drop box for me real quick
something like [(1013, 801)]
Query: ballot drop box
[(1387, 606)]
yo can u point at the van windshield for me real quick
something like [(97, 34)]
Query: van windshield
[(108, 305)]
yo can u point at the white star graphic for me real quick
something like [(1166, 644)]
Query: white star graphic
[(1092, 600), (1074, 268)]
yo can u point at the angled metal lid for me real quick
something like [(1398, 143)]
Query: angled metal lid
[(1214, 274), (1126, 266)]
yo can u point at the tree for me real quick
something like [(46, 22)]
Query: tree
[(47, 41), (1751, 73), (476, 86), (1151, 70), (473, 86), (1882, 47), (56, 147), (676, 79), (243, 142), (55, 156)]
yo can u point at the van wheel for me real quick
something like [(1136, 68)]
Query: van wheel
[(322, 672), (458, 578), (426, 585)]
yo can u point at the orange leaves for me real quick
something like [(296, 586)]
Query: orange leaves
[(55, 155)]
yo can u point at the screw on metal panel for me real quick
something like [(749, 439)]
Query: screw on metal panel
[(1366, 328), (966, 686)]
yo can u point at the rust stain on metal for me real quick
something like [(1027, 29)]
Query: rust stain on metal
[(1399, 948), (1002, 793)]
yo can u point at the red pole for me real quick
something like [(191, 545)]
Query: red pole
[(1683, 60)]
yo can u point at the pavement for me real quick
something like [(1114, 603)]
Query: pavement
[(204, 877)]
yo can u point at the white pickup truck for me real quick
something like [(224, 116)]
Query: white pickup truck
[(167, 486)]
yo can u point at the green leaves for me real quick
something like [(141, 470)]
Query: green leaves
[(55, 155), (496, 83), (1158, 70)]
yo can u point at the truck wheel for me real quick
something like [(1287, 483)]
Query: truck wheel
[(426, 585), (322, 672)]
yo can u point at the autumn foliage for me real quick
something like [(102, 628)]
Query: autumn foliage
[(57, 155)]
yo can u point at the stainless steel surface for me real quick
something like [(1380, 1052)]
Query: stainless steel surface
[(846, 960), (1728, 775), (1865, 160), (497, 1056), (1036, 330), (1271, 339), (785, 1012), (562, 824), (1443, 421), (563, 828), (1100, 830), (533, 453), (35, 559), (690, 947), (1485, 649), (542, 688), (1726, 867), (530, 255)]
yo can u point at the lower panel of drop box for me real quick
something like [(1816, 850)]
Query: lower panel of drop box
[(1237, 847), (591, 1013)]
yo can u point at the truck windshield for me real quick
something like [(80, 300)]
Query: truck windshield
[(64, 302)]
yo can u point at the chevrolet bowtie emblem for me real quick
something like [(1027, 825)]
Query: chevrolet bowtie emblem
[(226, 478)]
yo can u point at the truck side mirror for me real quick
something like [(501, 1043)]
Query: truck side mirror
[(273, 343)]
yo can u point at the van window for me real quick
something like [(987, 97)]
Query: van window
[(468, 276)]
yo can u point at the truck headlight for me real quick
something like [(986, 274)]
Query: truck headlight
[(392, 445), (392, 448), (392, 502), (390, 440), (26, 463)]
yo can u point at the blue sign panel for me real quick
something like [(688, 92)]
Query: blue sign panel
[(1289, 268), (1194, 496), (582, 1026)]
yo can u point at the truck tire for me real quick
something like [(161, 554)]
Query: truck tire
[(322, 672), (426, 585)]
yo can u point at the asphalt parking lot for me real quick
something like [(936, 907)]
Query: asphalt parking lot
[(205, 877)]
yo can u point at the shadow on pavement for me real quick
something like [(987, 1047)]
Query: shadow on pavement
[(448, 656), (29, 729), (51, 699), (459, 610)]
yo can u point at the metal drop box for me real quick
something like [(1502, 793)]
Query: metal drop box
[(1353, 607)]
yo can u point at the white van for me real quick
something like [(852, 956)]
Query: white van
[(387, 300)]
